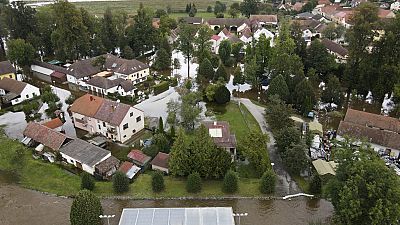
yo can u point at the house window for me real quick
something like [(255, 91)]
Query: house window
[(112, 136), (125, 126), (131, 114), (124, 136), (99, 127), (11, 76), (138, 119), (104, 124), (133, 131), (27, 96), (33, 94)]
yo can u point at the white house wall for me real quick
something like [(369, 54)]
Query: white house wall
[(133, 126), (41, 70), (29, 92)]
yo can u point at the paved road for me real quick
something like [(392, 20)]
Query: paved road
[(285, 185)]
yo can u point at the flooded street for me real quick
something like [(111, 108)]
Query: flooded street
[(21, 206)]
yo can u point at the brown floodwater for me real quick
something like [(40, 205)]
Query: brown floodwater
[(19, 206)]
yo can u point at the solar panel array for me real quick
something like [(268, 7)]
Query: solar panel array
[(177, 216)]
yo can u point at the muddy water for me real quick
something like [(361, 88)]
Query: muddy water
[(19, 206)]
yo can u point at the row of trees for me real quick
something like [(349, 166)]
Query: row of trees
[(66, 32)]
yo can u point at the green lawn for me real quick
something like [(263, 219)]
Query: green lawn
[(131, 6), (42, 176), (237, 120)]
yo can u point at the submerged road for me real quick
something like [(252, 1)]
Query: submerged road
[(285, 185)]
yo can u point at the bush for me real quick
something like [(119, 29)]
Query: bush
[(315, 185), (157, 182), (161, 87), (87, 181), (230, 184), (222, 95), (120, 182), (268, 180), (193, 183), (86, 209), (174, 82), (70, 100)]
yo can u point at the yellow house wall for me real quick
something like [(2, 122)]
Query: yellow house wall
[(7, 75)]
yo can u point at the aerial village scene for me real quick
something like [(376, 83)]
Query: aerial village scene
[(200, 112)]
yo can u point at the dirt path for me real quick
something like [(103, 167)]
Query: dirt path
[(286, 185)]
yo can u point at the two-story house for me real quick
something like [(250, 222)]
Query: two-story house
[(113, 120), (133, 70), (14, 92)]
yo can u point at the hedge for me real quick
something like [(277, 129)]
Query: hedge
[(161, 87)]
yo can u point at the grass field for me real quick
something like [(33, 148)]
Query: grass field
[(42, 176), (130, 6), (237, 120)]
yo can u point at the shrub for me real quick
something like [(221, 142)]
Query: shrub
[(70, 100), (87, 181), (222, 95), (193, 183), (157, 182), (230, 184), (86, 209), (120, 182), (161, 87), (315, 184), (268, 180)]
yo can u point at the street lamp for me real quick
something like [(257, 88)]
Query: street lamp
[(240, 215), (107, 217)]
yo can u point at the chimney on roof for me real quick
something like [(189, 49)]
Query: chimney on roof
[(91, 98)]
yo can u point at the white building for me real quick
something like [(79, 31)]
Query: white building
[(133, 70), (113, 120), (395, 6), (15, 92), (105, 86), (267, 33)]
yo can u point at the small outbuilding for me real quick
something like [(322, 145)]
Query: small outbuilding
[(129, 169), (323, 167), (139, 158), (160, 162)]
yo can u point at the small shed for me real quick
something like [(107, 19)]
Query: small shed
[(58, 77), (315, 127), (107, 168), (139, 158), (129, 169), (160, 162), (323, 167)]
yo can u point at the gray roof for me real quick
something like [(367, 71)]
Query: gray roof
[(181, 216), (11, 85), (6, 67), (104, 83), (85, 68), (127, 85), (84, 152)]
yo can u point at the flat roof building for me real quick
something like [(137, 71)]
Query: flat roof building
[(181, 216)]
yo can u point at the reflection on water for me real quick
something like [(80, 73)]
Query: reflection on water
[(261, 212)]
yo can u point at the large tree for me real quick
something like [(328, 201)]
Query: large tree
[(333, 91), (279, 87), (249, 7), (251, 73), (20, 20), (86, 209), (185, 43), (359, 37), (45, 26), (277, 113), (203, 43), (198, 153), (364, 190), (206, 70), (224, 51), (109, 31), (304, 96), (20, 52), (70, 38), (295, 158), (254, 148), (3, 30), (141, 35), (319, 59)]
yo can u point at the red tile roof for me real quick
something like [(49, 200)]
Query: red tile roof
[(45, 136), (54, 123), (139, 156), (125, 167), (215, 37), (87, 105), (161, 160)]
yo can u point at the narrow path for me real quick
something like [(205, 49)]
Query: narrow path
[(285, 185)]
